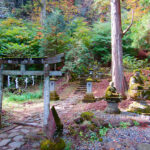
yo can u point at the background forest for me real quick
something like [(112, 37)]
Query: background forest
[(79, 28)]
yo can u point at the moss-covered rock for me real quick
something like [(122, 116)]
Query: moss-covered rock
[(89, 98), (59, 125), (139, 108), (87, 115), (54, 96), (59, 144), (47, 145)]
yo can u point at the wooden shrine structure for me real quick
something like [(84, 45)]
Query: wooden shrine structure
[(46, 73)]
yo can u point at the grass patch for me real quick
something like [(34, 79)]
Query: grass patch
[(23, 97)]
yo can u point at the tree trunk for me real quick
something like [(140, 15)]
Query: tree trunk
[(1, 93), (117, 52), (43, 11)]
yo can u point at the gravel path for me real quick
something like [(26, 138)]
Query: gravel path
[(28, 138)]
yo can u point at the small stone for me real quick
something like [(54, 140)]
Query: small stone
[(14, 131), (3, 136), (13, 135), (18, 138), (97, 122), (78, 120), (143, 146), (24, 131), (4, 142), (15, 145), (34, 124), (35, 145), (19, 127), (35, 130)]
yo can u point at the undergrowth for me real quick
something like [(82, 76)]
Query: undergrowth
[(24, 97)]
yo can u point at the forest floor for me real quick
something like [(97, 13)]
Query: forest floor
[(24, 121)]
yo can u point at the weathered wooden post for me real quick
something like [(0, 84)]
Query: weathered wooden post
[(46, 95), (53, 94), (89, 97), (1, 93)]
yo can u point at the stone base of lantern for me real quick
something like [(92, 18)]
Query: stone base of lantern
[(89, 98), (54, 96), (112, 108)]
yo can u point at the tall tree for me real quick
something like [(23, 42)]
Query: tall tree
[(43, 11), (116, 42)]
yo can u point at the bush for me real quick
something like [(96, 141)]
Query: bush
[(24, 97), (130, 62), (19, 39)]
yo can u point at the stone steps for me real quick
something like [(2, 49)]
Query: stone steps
[(82, 86)]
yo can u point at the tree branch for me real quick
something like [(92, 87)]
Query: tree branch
[(125, 31)]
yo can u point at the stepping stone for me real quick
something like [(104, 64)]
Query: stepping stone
[(15, 145), (3, 136), (14, 131), (35, 145), (34, 124), (13, 135), (19, 127), (24, 131), (18, 138), (4, 142)]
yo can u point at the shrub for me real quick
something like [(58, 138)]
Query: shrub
[(19, 39), (24, 97), (87, 115), (130, 62)]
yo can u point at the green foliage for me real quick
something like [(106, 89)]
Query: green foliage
[(68, 146), (136, 123), (24, 11), (103, 131), (81, 133), (87, 115), (24, 97), (124, 124), (93, 136), (77, 58), (101, 41), (18, 39), (55, 39), (130, 62), (140, 33), (59, 144)]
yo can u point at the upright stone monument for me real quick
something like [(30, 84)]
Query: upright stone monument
[(89, 97), (53, 94)]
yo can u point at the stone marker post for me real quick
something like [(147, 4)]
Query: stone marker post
[(89, 97), (46, 96), (53, 94)]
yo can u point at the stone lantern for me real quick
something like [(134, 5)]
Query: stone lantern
[(89, 97), (112, 98), (91, 72), (53, 94)]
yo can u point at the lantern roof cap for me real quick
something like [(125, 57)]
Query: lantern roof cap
[(89, 79), (53, 79)]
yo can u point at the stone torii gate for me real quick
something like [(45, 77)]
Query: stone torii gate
[(46, 72)]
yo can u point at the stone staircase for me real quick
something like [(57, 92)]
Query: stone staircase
[(82, 86)]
